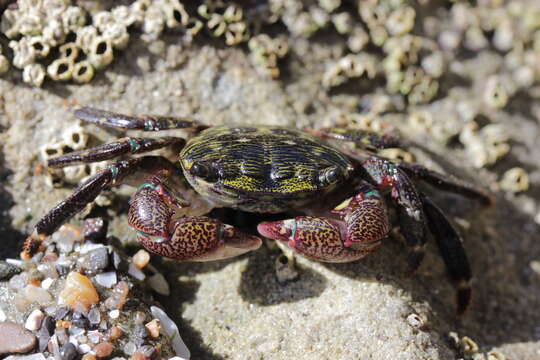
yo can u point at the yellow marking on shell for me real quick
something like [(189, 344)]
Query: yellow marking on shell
[(286, 186)]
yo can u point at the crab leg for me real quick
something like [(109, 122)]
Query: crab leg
[(143, 122), (127, 171), (409, 205), (452, 251), (363, 138), (128, 145), (447, 183), (363, 224)]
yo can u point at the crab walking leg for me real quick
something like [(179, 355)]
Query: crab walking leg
[(447, 183), (409, 205), (363, 225), (196, 238), (129, 171), (365, 139), (143, 122), (452, 251), (128, 145)]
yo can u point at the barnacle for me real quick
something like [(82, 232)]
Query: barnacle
[(83, 72), (266, 51), (495, 93), (101, 52), (401, 21), (69, 51), (358, 39), (75, 137), (350, 66), (23, 53), (34, 74), (61, 69), (485, 145), (515, 180), (343, 22)]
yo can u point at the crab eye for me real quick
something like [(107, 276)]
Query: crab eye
[(330, 175), (203, 171)]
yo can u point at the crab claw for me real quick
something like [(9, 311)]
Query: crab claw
[(316, 238), (200, 238)]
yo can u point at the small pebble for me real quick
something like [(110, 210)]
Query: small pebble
[(139, 331), (84, 348), (103, 349), (141, 259), (139, 317), (3, 316), (154, 328), (114, 314), (95, 229), (47, 329), (130, 348), (68, 351), (15, 339), (118, 297), (135, 272), (107, 279), (7, 271), (79, 320), (61, 313), (37, 294), (46, 284), (94, 316), (96, 260), (89, 357), (33, 322), (61, 335), (78, 292), (158, 283), (148, 351), (115, 333)]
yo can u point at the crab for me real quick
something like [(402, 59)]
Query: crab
[(338, 192)]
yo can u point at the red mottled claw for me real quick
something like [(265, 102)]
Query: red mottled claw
[(200, 238), (317, 238), (363, 224)]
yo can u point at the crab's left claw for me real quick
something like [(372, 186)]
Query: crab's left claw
[(317, 238), (200, 238)]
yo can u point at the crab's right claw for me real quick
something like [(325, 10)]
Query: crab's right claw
[(317, 238), (200, 238)]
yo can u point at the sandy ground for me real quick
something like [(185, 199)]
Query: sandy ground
[(236, 309)]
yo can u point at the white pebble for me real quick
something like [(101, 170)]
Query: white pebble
[(88, 246), (107, 279), (171, 330), (33, 322), (46, 284), (84, 348), (136, 273), (3, 316), (114, 314)]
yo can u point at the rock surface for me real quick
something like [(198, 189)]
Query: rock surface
[(237, 309)]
